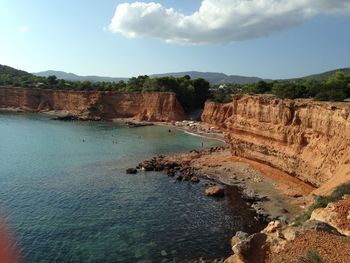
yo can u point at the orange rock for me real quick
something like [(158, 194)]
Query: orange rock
[(215, 191), (304, 138), (147, 106)]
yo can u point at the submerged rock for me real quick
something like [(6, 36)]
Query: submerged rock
[(179, 178), (131, 171)]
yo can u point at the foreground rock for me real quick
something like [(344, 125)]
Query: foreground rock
[(251, 249), (279, 243), (336, 215)]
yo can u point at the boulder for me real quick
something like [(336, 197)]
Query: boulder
[(251, 249), (195, 179), (238, 237), (272, 227), (215, 191)]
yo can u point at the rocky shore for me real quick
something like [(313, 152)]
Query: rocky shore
[(277, 199), (217, 165)]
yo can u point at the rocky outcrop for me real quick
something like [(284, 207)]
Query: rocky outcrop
[(150, 106), (306, 139), (336, 215)]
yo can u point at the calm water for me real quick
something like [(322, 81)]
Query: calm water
[(69, 200)]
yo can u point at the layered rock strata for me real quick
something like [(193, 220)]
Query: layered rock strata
[(306, 139), (150, 106)]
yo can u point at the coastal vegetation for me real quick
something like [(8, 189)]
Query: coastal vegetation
[(335, 87), (312, 256), (323, 201)]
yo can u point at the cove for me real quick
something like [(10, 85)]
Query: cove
[(66, 197)]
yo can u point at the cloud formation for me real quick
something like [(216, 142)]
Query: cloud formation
[(22, 28), (219, 21)]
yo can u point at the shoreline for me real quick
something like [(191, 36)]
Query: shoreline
[(272, 199), (200, 129), (288, 195)]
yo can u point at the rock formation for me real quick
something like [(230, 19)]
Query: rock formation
[(307, 139), (150, 106), (336, 215)]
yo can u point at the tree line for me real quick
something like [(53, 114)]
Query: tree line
[(334, 88)]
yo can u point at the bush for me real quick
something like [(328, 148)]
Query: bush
[(312, 257), (323, 201)]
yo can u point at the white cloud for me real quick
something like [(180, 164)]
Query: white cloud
[(219, 21), (22, 28)]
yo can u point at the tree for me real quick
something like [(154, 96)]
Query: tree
[(52, 80), (201, 90)]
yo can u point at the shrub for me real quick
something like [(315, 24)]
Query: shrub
[(323, 201), (312, 257)]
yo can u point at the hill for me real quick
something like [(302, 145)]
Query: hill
[(6, 70), (212, 77), (325, 75), (74, 77)]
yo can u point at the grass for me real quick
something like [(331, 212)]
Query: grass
[(312, 257), (323, 201)]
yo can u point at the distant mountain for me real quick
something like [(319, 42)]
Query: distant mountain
[(74, 77), (325, 75), (212, 77)]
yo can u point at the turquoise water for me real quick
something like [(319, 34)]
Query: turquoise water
[(66, 197)]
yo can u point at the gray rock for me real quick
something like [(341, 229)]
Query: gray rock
[(315, 225), (131, 171)]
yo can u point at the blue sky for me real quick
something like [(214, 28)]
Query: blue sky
[(78, 36)]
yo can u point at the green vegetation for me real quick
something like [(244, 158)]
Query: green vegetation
[(334, 88), (323, 201), (312, 256), (223, 93), (192, 93)]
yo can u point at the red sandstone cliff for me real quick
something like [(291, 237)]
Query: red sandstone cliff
[(150, 106), (307, 139)]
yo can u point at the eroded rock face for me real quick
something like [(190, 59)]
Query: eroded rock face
[(150, 106), (307, 139)]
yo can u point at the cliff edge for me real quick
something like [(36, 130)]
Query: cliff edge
[(306, 139), (149, 106)]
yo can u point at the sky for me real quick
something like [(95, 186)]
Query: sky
[(263, 38)]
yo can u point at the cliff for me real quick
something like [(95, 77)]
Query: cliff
[(150, 106), (307, 139)]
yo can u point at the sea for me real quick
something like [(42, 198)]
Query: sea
[(65, 195)]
